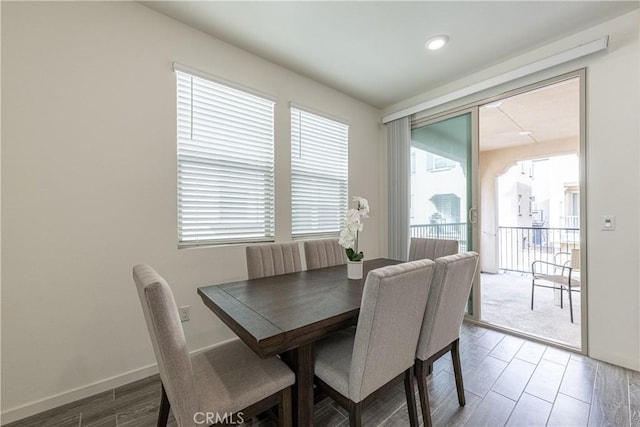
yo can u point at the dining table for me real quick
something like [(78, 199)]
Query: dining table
[(285, 314)]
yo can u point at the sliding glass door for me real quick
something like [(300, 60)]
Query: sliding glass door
[(442, 181), (521, 157)]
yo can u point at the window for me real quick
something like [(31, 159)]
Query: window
[(448, 208), (575, 204), (319, 174), (413, 161), (411, 204), (225, 164), (519, 204), (438, 163)]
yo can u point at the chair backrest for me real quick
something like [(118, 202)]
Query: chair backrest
[(273, 260), (169, 345), (324, 253), (391, 313), (448, 297), (431, 248)]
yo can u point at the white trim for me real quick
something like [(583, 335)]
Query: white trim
[(51, 402), (616, 359), (66, 397), (203, 74), (526, 70), (319, 113)]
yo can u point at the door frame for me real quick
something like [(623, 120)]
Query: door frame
[(475, 308)]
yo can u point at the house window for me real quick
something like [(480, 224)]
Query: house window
[(413, 162), (448, 208), (412, 201), (437, 163), (519, 204), (575, 204), (319, 174), (225, 163)]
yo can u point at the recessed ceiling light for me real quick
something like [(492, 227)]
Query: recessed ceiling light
[(435, 43), (495, 104), (525, 132)]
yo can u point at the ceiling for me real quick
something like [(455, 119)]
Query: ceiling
[(549, 113), (374, 51)]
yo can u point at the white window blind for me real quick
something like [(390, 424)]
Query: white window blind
[(225, 164), (319, 174)]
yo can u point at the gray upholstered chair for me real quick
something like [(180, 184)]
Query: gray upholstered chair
[(225, 380), (420, 248), (324, 253), (273, 260), (443, 317), (353, 364)]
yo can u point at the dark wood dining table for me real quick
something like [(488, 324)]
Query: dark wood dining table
[(284, 315)]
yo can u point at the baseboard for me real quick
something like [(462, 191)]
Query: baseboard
[(36, 407), (616, 359), (33, 408)]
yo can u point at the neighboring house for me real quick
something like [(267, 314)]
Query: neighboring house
[(438, 189), (540, 193)]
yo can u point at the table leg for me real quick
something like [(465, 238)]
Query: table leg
[(300, 360)]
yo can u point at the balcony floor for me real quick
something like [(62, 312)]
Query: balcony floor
[(506, 301)]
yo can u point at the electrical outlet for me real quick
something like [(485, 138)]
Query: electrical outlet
[(185, 313)]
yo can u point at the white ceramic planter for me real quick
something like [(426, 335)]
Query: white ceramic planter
[(354, 269)]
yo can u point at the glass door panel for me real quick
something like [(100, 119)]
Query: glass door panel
[(441, 197), (441, 181)]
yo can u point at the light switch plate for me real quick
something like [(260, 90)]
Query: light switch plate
[(608, 222)]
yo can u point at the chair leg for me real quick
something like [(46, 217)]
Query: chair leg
[(533, 286), (284, 408), (570, 303), (165, 406), (561, 296), (423, 391), (411, 397), (355, 414), (457, 370)]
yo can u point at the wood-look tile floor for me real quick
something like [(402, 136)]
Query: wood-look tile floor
[(508, 381)]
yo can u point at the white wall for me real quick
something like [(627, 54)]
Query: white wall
[(89, 188), (613, 179), (612, 175)]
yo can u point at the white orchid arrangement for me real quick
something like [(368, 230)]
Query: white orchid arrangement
[(352, 226)]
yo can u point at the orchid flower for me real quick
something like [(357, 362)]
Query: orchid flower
[(353, 225), (363, 206)]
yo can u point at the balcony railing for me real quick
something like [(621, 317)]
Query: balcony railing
[(571, 221), (455, 231), (520, 246)]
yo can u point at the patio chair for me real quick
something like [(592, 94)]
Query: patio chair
[(558, 275)]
